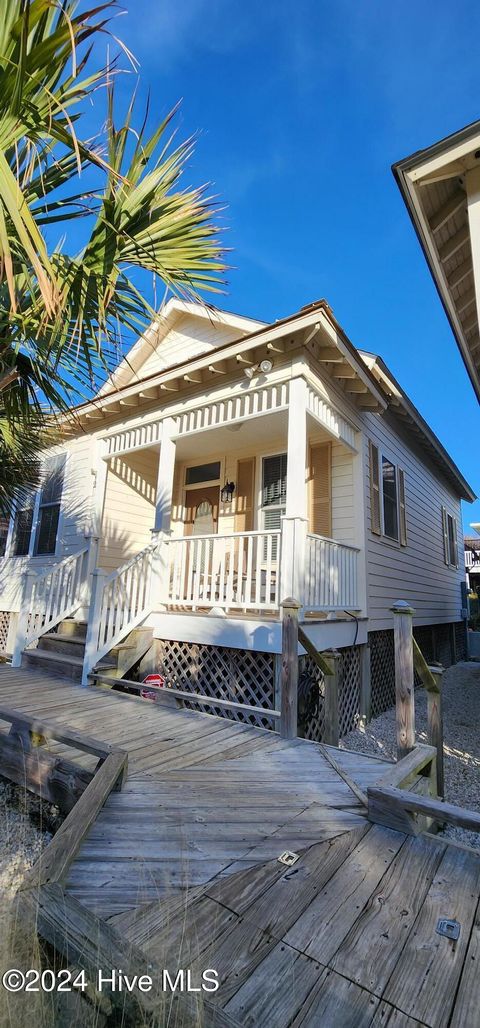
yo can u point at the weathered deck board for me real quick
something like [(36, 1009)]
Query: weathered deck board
[(184, 863)]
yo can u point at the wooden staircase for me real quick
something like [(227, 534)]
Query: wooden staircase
[(61, 652)]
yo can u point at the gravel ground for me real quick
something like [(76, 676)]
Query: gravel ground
[(24, 832), (461, 727)]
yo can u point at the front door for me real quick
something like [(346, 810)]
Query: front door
[(201, 510)]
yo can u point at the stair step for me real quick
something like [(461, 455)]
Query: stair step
[(57, 664), (77, 629), (56, 642)]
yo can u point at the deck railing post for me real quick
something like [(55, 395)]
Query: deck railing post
[(404, 677), (94, 612), (435, 724), (331, 722), (289, 673), (22, 621), (365, 710)]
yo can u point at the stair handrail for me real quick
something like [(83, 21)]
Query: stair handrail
[(109, 618), (50, 596)]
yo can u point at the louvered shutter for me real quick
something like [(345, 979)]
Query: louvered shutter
[(320, 488), (455, 542), (403, 512), (374, 489), (244, 490), (446, 554)]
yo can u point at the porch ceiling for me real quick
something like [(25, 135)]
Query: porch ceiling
[(254, 434)]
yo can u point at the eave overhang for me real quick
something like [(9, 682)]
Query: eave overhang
[(441, 189)]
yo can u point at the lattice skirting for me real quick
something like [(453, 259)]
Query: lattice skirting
[(5, 616), (249, 677), (240, 675), (444, 644)]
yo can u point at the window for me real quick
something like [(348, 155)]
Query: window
[(390, 499), (450, 546), (387, 497), (22, 529), (4, 526), (203, 473), (49, 508), (274, 494)]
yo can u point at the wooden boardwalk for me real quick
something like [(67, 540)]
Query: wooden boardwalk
[(183, 862)]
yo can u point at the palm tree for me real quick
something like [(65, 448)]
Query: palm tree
[(63, 316)]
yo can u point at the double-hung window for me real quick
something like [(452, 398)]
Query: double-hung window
[(49, 506), (450, 537), (387, 497), (22, 527), (4, 526), (274, 494)]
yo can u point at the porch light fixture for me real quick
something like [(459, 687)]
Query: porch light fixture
[(265, 366), (227, 492)]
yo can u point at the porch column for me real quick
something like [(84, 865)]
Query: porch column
[(163, 514), (295, 522)]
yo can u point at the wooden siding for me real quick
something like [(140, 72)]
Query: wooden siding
[(128, 513), (343, 514), (415, 572), (191, 338)]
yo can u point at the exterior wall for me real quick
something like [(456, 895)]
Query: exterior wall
[(129, 507), (191, 338), (415, 572), (74, 521), (343, 513)]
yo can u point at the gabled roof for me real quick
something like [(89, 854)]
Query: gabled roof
[(441, 189), (129, 369)]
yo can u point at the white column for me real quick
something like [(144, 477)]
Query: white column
[(294, 528), (472, 182), (163, 515)]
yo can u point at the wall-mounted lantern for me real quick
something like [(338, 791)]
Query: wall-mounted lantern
[(227, 492)]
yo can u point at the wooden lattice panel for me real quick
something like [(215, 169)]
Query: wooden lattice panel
[(4, 627), (244, 676), (382, 671), (349, 698), (461, 640), (313, 680)]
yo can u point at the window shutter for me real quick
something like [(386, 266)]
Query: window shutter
[(320, 489), (455, 542), (446, 555), (403, 512), (244, 490), (374, 489)]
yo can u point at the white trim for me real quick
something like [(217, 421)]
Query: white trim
[(258, 635)]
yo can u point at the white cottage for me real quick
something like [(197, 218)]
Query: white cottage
[(225, 465)]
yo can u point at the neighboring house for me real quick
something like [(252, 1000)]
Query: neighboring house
[(224, 466), (472, 558), (441, 188)]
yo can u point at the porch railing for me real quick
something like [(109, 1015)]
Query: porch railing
[(239, 571), (330, 575), (50, 597)]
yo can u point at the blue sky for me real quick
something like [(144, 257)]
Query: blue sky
[(302, 107)]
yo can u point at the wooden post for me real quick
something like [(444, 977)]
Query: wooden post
[(331, 723), (404, 677), (22, 620), (435, 725), (365, 684), (91, 640), (289, 674)]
